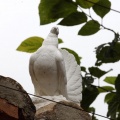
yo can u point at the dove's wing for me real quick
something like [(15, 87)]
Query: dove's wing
[(62, 79), (31, 71), (74, 79)]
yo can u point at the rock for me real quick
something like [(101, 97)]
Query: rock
[(56, 111), (8, 111), (15, 103), (40, 102)]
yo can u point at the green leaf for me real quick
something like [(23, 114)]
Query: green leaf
[(90, 28), (91, 109), (113, 107), (102, 7), (74, 19), (89, 95), (110, 80), (117, 84), (60, 40), (52, 10), (83, 69), (105, 89), (88, 79), (109, 53), (95, 71), (86, 3), (30, 45), (75, 55), (109, 97)]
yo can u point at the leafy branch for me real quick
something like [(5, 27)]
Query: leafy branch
[(90, 16)]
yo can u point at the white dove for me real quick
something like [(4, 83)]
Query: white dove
[(55, 71)]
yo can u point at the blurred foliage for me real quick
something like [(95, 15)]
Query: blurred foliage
[(72, 13), (108, 52), (95, 71), (92, 110), (102, 11), (110, 80), (89, 95), (91, 27), (75, 18), (31, 44)]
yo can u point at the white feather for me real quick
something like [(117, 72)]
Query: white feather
[(74, 79)]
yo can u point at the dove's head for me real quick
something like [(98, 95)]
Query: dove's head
[(52, 38), (55, 30)]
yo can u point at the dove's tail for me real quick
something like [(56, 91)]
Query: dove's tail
[(74, 79)]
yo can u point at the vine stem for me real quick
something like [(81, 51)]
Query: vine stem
[(108, 29), (95, 20)]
